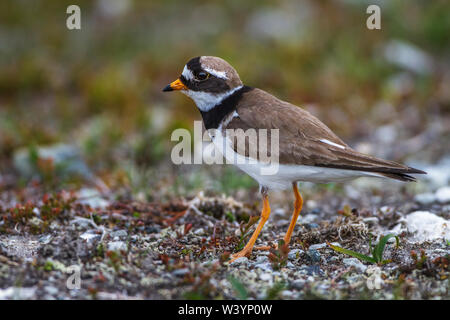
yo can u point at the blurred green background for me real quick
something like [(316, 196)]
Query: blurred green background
[(78, 105)]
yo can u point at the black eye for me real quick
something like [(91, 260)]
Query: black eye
[(201, 75)]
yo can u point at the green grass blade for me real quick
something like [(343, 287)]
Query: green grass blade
[(239, 288), (352, 253), (274, 291), (379, 248)]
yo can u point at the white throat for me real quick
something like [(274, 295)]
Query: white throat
[(205, 101)]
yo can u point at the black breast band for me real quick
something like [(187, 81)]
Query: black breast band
[(214, 117)]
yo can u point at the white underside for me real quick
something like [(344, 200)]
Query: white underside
[(291, 173), (284, 175)]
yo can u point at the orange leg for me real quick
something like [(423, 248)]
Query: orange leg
[(264, 216), (298, 204)]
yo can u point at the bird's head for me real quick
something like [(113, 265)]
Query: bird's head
[(207, 80)]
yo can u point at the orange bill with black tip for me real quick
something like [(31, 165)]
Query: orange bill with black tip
[(175, 85)]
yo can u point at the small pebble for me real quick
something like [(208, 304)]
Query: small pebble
[(310, 226), (152, 229), (241, 260), (312, 270), (313, 255), (261, 258), (282, 222), (279, 212), (310, 217), (180, 272), (318, 246), (298, 284), (290, 265), (353, 262), (45, 238), (333, 259), (266, 266), (199, 231), (119, 234), (51, 290), (425, 198), (443, 194), (371, 220), (90, 236), (117, 246), (293, 253), (287, 293), (265, 276)]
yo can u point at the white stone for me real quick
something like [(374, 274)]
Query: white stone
[(293, 253), (374, 281), (279, 212), (92, 197), (408, 56), (287, 293), (371, 220), (310, 204), (119, 234), (89, 236), (117, 246), (443, 194), (262, 258), (318, 246), (425, 198), (17, 293), (397, 229), (353, 262), (438, 174), (337, 244), (265, 276), (199, 231), (180, 272), (51, 290), (266, 266), (241, 260), (426, 226)]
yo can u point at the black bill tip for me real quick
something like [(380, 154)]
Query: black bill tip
[(167, 88)]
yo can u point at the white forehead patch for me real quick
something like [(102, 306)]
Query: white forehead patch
[(187, 73), (218, 74)]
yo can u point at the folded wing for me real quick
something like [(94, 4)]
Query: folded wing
[(304, 139)]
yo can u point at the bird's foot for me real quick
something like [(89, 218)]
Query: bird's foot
[(266, 248), (273, 246), (243, 253)]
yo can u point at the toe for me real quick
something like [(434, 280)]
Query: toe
[(240, 254)]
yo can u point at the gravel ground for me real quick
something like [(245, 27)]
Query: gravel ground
[(59, 247)]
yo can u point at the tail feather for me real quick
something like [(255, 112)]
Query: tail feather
[(350, 159), (400, 176)]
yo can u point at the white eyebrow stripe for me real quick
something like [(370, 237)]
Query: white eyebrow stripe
[(331, 143), (218, 74)]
